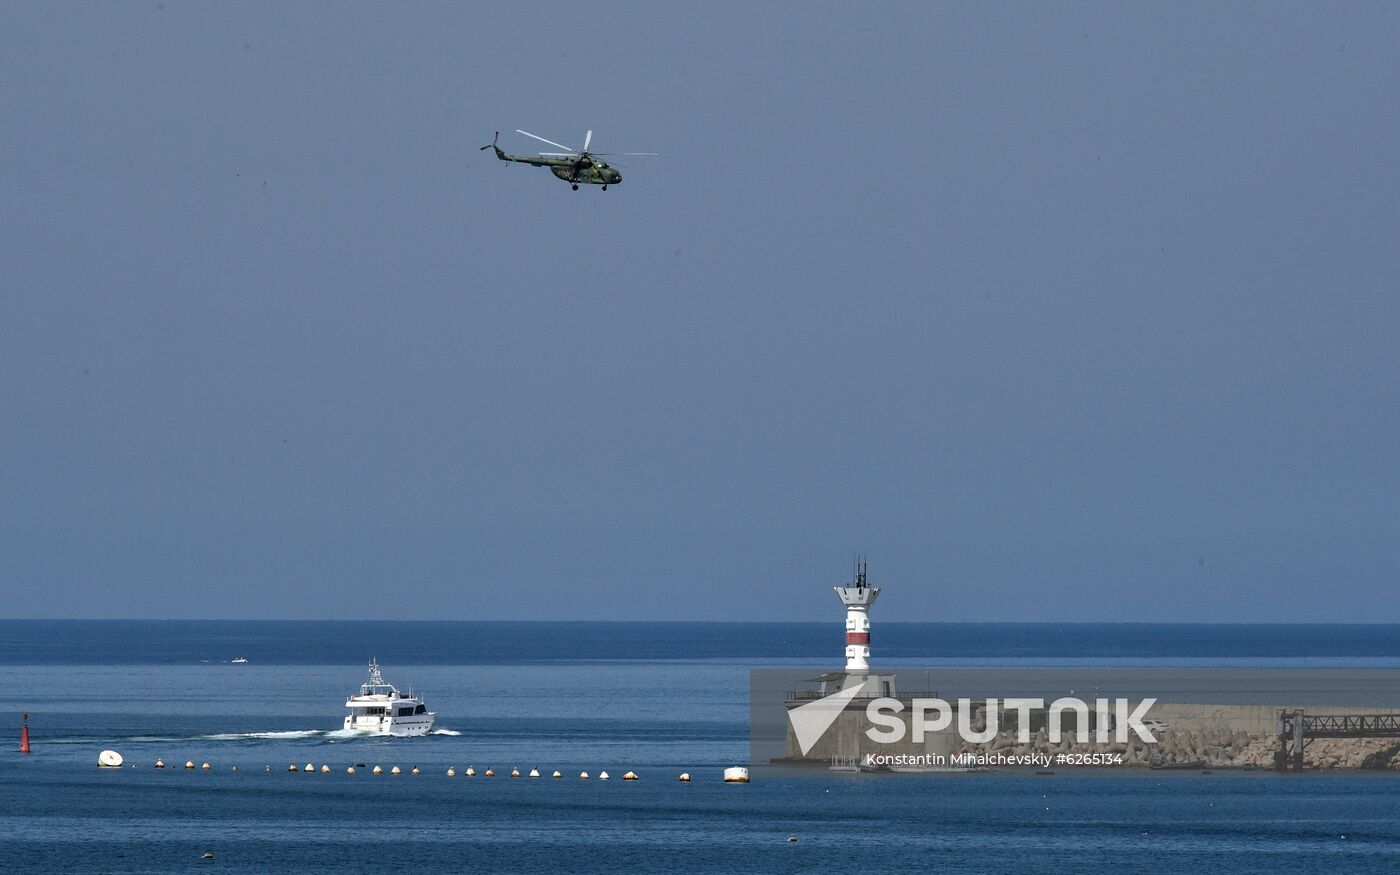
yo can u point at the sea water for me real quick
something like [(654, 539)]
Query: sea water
[(657, 699)]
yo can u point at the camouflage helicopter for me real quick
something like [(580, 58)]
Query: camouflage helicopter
[(574, 166)]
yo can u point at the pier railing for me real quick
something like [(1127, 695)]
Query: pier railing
[(813, 695), (1295, 729), (1351, 725)]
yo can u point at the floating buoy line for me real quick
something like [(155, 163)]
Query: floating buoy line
[(733, 775)]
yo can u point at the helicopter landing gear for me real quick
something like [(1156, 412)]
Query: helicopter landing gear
[(575, 185)]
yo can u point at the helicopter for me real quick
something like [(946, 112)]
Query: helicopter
[(574, 166)]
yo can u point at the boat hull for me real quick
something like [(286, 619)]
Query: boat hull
[(399, 727)]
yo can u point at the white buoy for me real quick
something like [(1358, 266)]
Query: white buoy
[(235, 768), (736, 775), (792, 838), (557, 774), (396, 771), (349, 770), (470, 772), (630, 776), (451, 772), (205, 767), (309, 768), (603, 776), (325, 769), (583, 776), (292, 767), (490, 774), (160, 764), (378, 770), (534, 773), (685, 777), (110, 759), (189, 764), (415, 771)]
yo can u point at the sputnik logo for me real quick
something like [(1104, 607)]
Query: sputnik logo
[(811, 721)]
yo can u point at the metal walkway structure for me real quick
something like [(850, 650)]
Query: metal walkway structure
[(1295, 729)]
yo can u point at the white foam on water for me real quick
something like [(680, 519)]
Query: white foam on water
[(241, 736), (331, 736), (349, 733), (104, 739)]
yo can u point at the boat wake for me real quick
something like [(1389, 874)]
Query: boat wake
[(321, 736), (278, 736)]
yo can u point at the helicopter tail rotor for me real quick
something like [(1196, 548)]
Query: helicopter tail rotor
[(492, 145)]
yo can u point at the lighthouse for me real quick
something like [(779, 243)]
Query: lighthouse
[(858, 598), (842, 698)]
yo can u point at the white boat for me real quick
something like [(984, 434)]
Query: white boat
[(380, 708), (239, 660)]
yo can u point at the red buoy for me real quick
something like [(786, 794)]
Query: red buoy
[(24, 736)]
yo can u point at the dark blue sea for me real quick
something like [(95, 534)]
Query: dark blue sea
[(655, 698)]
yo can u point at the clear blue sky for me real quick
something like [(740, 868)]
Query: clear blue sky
[(1057, 311)]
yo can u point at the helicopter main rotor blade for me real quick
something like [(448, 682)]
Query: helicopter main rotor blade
[(543, 140), (632, 154), (587, 138), (558, 154)]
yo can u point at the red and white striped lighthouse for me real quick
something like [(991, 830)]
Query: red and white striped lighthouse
[(858, 599)]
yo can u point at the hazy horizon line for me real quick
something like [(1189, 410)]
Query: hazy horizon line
[(702, 622)]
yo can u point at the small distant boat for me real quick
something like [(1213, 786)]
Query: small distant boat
[(239, 660), (380, 708)]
